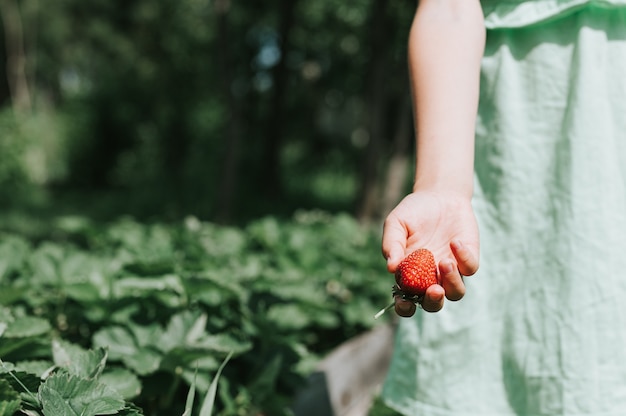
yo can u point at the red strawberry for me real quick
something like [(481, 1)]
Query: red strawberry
[(416, 273)]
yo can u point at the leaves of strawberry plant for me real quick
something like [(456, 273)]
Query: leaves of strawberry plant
[(13, 253), (130, 410), (35, 367), (54, 403), (26, 326), (123, 346), (17, 333), (125, 382), (168, 289), (166, 300), (65, 394), (78, 361), (21, 381), (9, 399)]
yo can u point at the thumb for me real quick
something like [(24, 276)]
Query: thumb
[(394, 243)]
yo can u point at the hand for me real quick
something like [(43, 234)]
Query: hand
[(444, 224)]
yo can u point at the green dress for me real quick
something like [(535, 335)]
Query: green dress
[(542, 328)]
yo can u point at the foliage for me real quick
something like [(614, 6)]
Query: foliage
[(126, 317), (12, 173), (172, 105)]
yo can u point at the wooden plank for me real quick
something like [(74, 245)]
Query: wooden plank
[(349, 377)]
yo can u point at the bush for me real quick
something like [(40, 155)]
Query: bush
[(162, 306)]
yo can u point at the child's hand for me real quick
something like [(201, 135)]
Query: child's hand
[(444, 224)]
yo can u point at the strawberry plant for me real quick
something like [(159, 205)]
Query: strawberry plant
[(135, 318)]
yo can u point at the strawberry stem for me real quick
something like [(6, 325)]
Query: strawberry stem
[(385, 309)]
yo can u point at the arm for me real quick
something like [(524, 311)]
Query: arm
[(446, 44)]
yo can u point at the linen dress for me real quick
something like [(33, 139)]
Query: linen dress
[(542, 328)]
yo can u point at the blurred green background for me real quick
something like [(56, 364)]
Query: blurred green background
[(226, 110), (243, 153)]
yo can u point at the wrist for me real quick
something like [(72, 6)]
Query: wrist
[(452, 187), (454, 177)]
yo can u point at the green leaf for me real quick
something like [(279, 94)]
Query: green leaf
[(78, 361), (265, 382), (183, 329), (54, 404), (72, 395), (124, 381), (146, 336), (137, 286), (122, 346), (10, 345), (11, 294), (212, 289), (83, 292), (13, 252), (5, 315), (191, 395), (168, 289), (35, 367), (21, 381), (288, 317), (73, 224), (223, 343), (9, 399), (27, 326), (144, 362), (130, 410), (209, 399), (266, 232), (45, 263)]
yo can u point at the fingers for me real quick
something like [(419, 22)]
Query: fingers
[(467, 261), (451, 280), (433, 299), (394, 242), (433, 302), (404, 308), (451, 274)]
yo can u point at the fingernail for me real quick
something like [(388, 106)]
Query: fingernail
[(447, 267), (438, 298), (405, 309)]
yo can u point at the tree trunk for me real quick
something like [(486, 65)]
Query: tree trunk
[(400, 161), (227, 187), (376, 106), (16, 56), (280, 78)]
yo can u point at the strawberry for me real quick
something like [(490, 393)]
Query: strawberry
[(415, 274)]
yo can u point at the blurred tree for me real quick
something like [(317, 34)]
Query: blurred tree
[(225, 109), (15, 56), (227, 184), (376, 107), (275, 121), (388, 130)]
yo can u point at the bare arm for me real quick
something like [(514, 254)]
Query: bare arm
[(446, 44)]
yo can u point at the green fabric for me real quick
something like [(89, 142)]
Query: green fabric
[(515, 13), (542, 328)]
